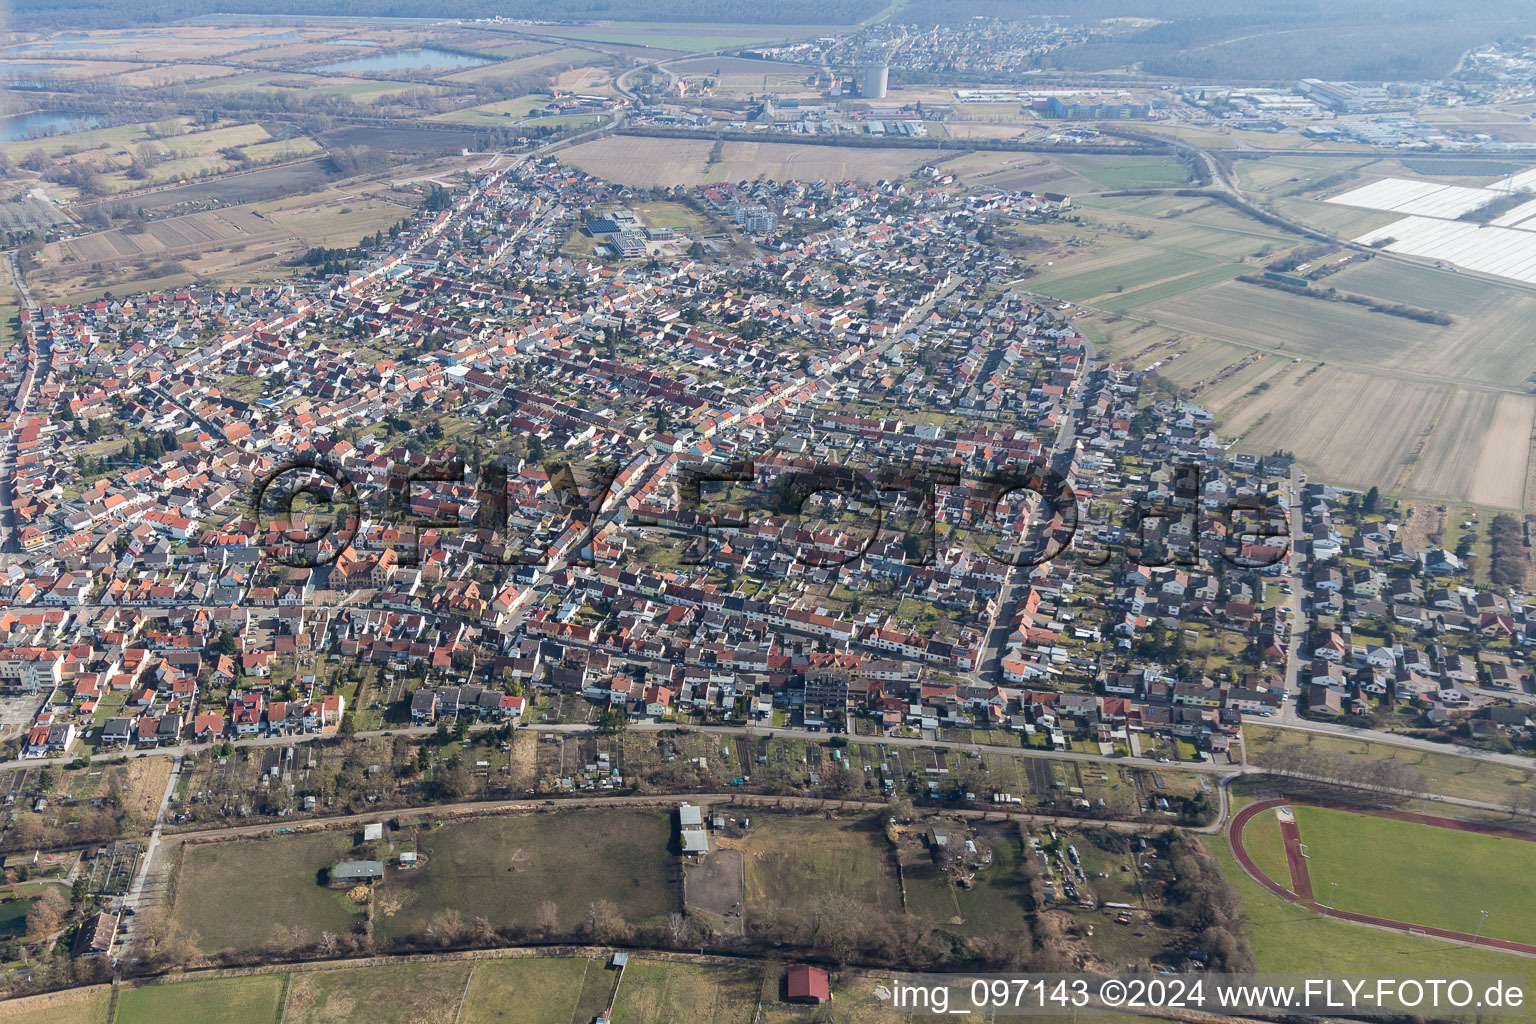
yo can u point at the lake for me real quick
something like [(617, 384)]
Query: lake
[(405, 60), (46, 122), (57, 44), (32, 68)]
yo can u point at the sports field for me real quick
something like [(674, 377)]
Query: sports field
[(1286, 937), (1263, 842), (1420, 873)]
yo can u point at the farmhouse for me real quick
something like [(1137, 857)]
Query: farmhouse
[(353, 872), (690, 820)]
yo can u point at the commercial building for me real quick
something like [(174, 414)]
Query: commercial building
[(1054, 108), (1346, 96)]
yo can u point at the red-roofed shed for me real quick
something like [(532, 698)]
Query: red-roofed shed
[(808, 985)]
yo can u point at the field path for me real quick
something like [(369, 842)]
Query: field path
[(1300, 879)]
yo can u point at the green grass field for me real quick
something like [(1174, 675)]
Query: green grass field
[(672, 215), (534, 990), (1130, 271), (423, 993), (1267, 848), (1168, 289), (1288, 938), (245, 1000), (504, 868), (661, 993), (71, 1006), (796, 862), (283, 870), (1462, 777), (1419, 286), (996, 903), (500, 112), (1421, 874)]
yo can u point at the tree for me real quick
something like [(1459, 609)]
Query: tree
[(1372, 499), (42, 921)]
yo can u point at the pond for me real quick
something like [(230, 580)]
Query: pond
[(405, 60), (40, 123)]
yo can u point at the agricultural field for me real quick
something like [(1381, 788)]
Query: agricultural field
[(233, 244), (1107, 172), (1297, 325), (1343, 221), (542, 63), (506, 868), (499, 112), (1448, 427), (332, 220), (661, 993), (115, 138), (1356, 429), (176, 238), (285, 870), (1394, 281), (797, 864), (633, 160), (681, 37), (535, 990), (253, 999), (420, 993), (1403, 871), (1478, 450), (70, 1006)]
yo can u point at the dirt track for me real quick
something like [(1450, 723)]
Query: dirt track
[(1300, 878)]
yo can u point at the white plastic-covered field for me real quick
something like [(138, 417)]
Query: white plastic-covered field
[(1502, 251), (1425, 198), (1516, 182), (1522, 216)]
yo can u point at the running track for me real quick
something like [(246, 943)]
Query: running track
[(1302, 882)]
